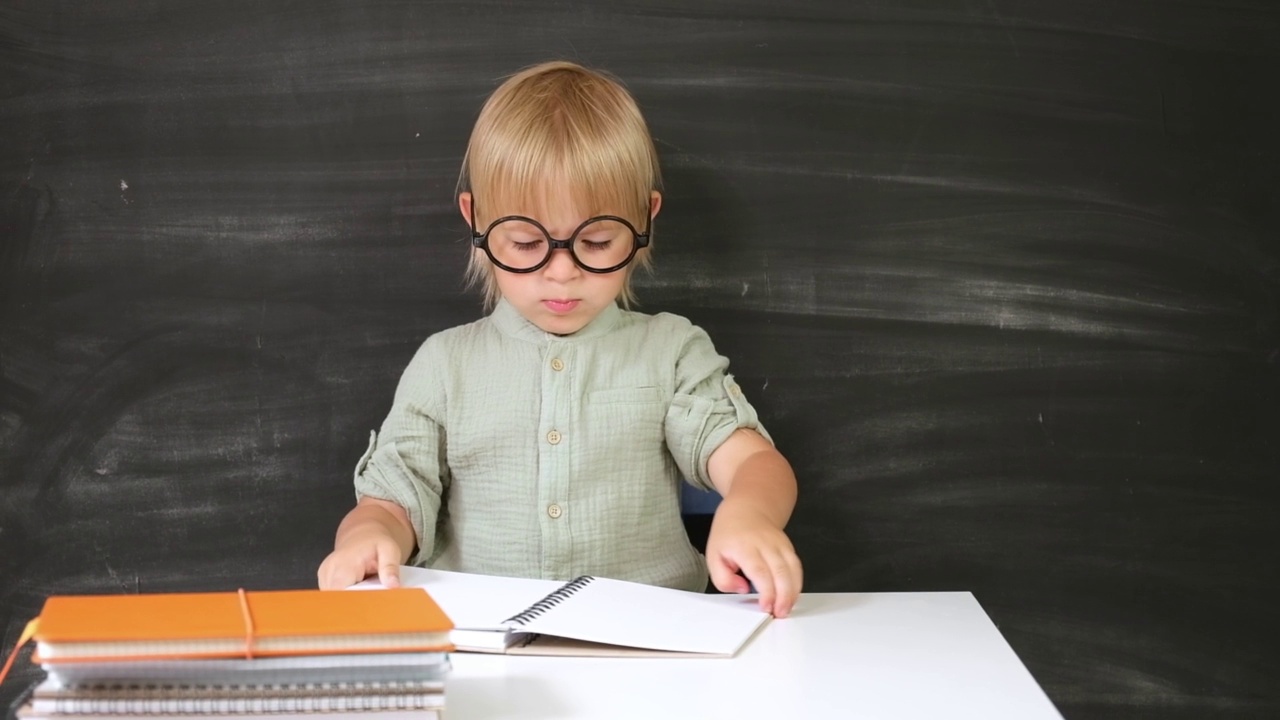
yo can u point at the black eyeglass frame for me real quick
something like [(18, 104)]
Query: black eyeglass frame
[(481, 240)]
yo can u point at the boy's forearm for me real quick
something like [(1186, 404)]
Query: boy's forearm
[(763, 483), (373, 515)]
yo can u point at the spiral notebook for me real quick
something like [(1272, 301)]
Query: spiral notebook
[(327, 668), (54, 698), (27, 712), (587, 616)]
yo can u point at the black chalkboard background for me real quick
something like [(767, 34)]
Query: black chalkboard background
[(1001, 277)]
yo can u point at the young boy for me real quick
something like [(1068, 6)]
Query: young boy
[(548, 439)]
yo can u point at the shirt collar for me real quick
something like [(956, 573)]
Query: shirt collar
[(512, 323)]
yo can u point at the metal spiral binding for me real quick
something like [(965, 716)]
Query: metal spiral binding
[(564, 592)]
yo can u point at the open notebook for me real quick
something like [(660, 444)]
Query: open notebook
[(588, 616)]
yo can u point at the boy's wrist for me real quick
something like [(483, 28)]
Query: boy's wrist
[(739, 510), (369, 523)]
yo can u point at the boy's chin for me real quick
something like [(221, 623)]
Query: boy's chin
[(560, 325)]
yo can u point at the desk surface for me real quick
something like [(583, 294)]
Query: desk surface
[(870, 656)]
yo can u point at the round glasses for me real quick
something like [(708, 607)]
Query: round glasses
[(520, 244)]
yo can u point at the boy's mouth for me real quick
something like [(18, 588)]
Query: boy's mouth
[(560, 306)]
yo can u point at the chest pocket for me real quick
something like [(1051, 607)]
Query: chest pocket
[(623, 424)]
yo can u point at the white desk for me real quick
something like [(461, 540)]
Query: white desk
[(869, 656)]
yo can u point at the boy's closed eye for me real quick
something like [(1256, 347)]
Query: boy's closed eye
[(522, 242), (595, 245), (603, 237), (529, 246)]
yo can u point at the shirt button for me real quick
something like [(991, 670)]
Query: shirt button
[(554, 511), (557, 364), (735, 391), (553, 437)]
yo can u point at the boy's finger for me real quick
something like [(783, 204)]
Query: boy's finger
[(389, 575), (388, 566), (758, 572), (725, 577), (785, 585)]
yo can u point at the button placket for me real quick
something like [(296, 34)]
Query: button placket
[(555, 459)]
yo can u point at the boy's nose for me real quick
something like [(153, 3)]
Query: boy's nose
[(561, 265)]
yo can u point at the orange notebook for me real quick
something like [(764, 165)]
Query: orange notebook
[(98, 628)]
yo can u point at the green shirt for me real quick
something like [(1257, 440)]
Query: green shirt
[(518, 452)]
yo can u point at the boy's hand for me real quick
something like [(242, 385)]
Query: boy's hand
[(742, 539), (373, 539), (359, 557)]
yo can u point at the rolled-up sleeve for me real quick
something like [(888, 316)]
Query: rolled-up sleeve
[(405, 460), (707, 407)]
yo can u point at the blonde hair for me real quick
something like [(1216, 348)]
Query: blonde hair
[(555, 125)]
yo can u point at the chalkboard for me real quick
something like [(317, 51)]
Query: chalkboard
[(1001, 277)]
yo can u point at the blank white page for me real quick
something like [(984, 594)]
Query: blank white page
[(643, 616), (474, 602)]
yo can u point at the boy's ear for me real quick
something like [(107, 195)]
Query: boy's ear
[(655, 204), (464, 205)]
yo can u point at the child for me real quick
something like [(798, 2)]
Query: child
[(548, 439)]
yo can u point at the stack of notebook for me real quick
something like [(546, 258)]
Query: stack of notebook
[(257, 654)]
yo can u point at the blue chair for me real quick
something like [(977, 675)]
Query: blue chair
[(696, 508)]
